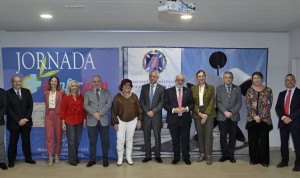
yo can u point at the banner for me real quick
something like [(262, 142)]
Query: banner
[(242, 62), (36, 65)]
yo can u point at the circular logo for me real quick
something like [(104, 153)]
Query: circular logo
[(154, 60)]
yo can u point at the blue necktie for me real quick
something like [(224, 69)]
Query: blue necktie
[(229, 91), (151, 94)]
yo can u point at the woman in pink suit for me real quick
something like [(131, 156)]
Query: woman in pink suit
[(53, 99)]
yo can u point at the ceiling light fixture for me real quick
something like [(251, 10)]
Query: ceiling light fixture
[(46, 16), (186, 16)]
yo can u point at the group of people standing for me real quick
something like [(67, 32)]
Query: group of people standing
[(71, 112)]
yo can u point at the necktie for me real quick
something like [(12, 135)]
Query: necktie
[(229, 90), (287, 103), (18, 93), (97, 94), (151, 94), (179, 99)]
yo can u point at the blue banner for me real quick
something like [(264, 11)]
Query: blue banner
[(36, 65)]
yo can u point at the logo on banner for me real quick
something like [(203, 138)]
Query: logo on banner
[(154, 60)]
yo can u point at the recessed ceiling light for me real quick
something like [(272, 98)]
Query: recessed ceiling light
[(46, 16), (186, 17)]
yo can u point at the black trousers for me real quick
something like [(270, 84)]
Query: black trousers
[(13, 142), (227, 127), (258, 137), (285, 132), (180, 133)]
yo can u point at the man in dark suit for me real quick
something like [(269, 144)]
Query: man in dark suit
[(152, 100), (3, 110), (178, 102), (97, 104), (19, 121), (229, 102), (288, 111)]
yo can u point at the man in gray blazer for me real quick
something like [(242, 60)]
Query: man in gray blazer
[(97, 103), (152, 100), (229, 102)]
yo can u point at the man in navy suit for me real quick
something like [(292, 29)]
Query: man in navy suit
[(19, 121), (178, 102), (288, 111), (152, 100)]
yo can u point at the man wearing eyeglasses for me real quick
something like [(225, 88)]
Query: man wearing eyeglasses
[(97, 103), (19, 121), (178, 102)]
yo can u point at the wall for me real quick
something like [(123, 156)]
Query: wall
[(278, 44)]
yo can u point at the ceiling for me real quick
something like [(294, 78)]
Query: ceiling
[(142, 15)]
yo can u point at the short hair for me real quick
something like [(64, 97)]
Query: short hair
[(97, 76), (49, 83), (69, 87), (12, 78), (258, 73), (228, 72), (292, 75), (179, 75), (199, 71), (154, 71), (123, 82)]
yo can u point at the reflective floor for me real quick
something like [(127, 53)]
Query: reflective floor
[(151, 169)]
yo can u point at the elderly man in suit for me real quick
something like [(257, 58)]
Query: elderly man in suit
[(3, 110), (19, 121), (152, 100), (229, 102), (178, 102), (288, 111), (97, 103)]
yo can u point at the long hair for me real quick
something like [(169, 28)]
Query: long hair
[(49, 83)]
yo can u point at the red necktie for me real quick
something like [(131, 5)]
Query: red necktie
[(287, 103), (179, 98)]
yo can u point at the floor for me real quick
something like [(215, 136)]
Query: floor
[(241, 169)]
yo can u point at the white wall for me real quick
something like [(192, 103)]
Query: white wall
[(278, 44)]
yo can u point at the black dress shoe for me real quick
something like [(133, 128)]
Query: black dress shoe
[(296, 169), (253, 163), (73, 164), (265, 164), (158, 159), (187, 161), (175, 160), (105, 163), (146, 159), (11, 164), (223, 159), (30, 161), (281, 164), (232, 160), (91, 163), (3, 166)]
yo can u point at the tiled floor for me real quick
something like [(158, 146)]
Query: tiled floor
[(241, 169)]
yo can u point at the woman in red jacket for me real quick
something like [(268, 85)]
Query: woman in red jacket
[(53, 98), (73, 119)]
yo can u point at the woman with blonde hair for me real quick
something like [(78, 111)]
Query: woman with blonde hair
[(73, 118)]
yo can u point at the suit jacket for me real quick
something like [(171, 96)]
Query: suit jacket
[(92, 105), (294, 108), (226, 103), (208, 101), (157, 100), (58, 99), (19, 109), (3, 106), (170, 102)]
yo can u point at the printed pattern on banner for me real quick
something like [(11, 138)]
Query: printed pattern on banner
[(36, 65), (242, 62)]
